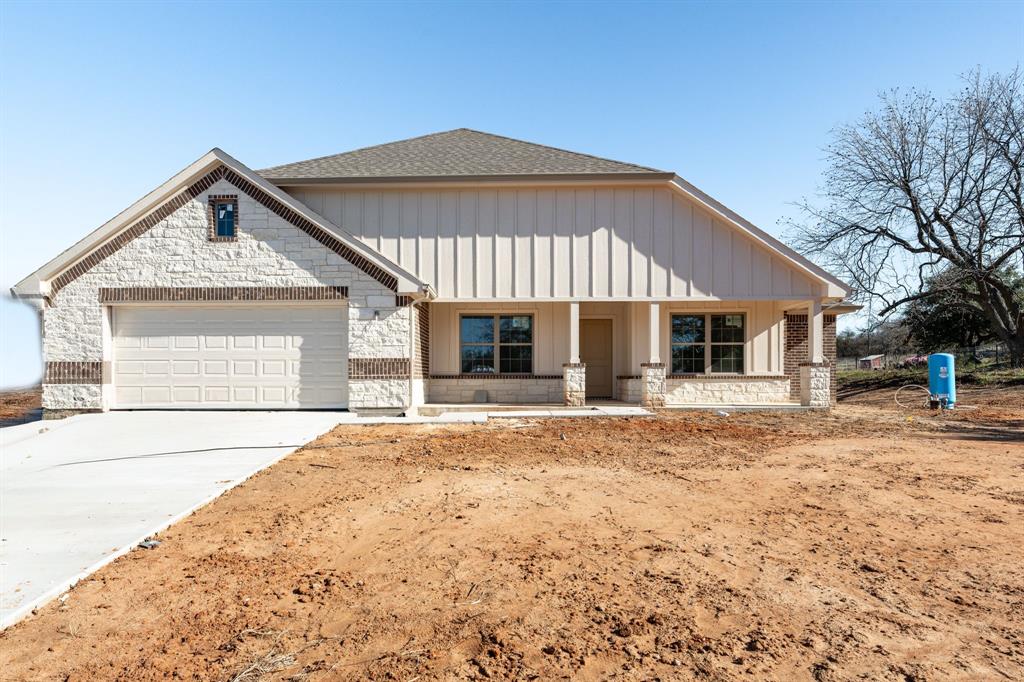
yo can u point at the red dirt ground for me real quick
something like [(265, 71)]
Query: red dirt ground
[(869, 543), (18, 406)]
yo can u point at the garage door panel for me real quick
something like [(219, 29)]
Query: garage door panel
[(245, 356), (156, 394), (187, 394), (244, 394), (217, 368), (185, 368), (243, 368), (273, 368), (217, 394), (274, 394), (129, 367), (128, 395)]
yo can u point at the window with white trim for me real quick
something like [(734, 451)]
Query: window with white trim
[(707, 343)]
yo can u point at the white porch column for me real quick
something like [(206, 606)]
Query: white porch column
[(574, 332), (654, 332), (815, 332), (574, 372), (652, 372), (815, 373)]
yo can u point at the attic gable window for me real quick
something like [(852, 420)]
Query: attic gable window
[(222, 215)]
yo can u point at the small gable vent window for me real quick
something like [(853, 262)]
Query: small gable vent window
[(223, 218)]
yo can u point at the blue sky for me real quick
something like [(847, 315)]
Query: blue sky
[(100, 103)]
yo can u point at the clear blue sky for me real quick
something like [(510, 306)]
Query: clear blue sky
[(100, 103)]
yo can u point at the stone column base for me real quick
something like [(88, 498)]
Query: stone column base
[(652, 384), (574, 384), (815, 379)]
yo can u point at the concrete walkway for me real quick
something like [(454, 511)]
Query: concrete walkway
[(89, 488), (77, 493)]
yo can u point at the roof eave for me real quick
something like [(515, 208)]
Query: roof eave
[(545, 178), (37, 284), (833, 286)]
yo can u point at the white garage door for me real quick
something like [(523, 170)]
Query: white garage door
[(242, 356)]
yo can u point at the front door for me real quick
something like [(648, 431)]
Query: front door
[(596, 354)]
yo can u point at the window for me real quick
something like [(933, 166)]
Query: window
[(687, 344), (223, 217), (496, 344), (694, 351)]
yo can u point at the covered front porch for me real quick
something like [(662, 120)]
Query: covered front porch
[(650, 353)]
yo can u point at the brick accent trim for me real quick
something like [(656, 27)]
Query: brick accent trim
[(574, 364), (211, 217), (653, 365), (496, 376), (176, 294), (795, 350), (182, 198), (313, 230), (628, 376), (726, 377), (378, 368), (73, 372), (421, 366), (140, 227)]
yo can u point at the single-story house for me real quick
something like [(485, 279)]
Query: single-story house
[(430, 270), (871, 362)]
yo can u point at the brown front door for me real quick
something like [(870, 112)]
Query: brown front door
[(596, 354)]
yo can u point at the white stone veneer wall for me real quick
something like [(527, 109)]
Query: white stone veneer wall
[(814, 385), (269, 252), (526, 390), (72, 396), (726, 391), (378, 394), (574, 384)]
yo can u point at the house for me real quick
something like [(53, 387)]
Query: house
[(871, 362), (430, 270)]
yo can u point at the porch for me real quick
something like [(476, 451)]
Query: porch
[(649, 353)]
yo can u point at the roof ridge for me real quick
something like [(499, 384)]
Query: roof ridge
[(359, 149), (337, 158), (560, 149)]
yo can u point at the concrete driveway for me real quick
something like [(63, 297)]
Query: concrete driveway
[(90, 487)]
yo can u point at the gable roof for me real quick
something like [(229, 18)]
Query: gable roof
[(835, 286), (456, 154), (137, 218)]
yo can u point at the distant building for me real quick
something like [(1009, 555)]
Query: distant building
[(870, 362)]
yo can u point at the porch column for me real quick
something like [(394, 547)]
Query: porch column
[(574, 372), (815, 372), (652, 372)]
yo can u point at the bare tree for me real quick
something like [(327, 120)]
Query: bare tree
[(924, 187)]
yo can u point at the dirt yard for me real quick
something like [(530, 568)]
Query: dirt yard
[(19, 406), (866, 544)]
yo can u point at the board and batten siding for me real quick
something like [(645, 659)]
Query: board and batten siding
[(763, 329), (561, 243)]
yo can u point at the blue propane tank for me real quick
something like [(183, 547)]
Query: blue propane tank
[(942, 379)]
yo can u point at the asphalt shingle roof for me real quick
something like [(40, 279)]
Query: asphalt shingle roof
[(451, 154)]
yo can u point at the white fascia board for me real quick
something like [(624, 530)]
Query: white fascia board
[(38, 283), (408, 283), (834, 287)]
